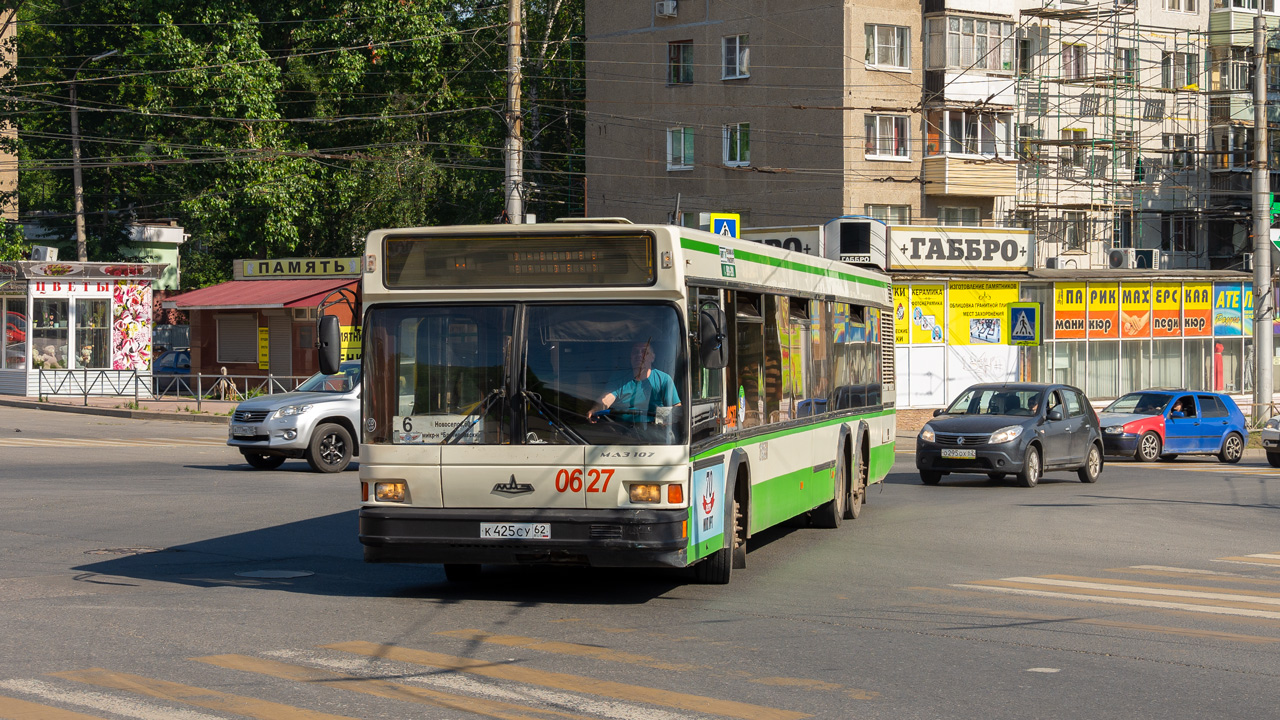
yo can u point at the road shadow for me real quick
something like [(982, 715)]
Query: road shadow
[(328, 549)]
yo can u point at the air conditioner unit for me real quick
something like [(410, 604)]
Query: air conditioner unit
[(304, 313), (1133, 259), (665, 8), (41, 253), (1146, 259), (1051, 263)]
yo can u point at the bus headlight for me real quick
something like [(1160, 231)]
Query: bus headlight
[(388, 492), (646, 493)]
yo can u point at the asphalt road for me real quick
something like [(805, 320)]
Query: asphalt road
[(132, 556)]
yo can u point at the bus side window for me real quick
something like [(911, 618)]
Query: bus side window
[(707, 413)]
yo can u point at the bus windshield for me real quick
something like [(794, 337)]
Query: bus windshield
[(570, 373)]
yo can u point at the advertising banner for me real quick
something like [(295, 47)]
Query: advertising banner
[(977, 312), (1197, 309), (1246, 300), (928, 306), (901, 308), (1166, 309), (1135, 310), (917, 247), (1068, 311), (1226, 309), (1104, 311)]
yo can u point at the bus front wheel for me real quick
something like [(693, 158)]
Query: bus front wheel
[(716, 568)]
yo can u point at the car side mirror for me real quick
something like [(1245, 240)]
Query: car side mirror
[(1177, 414), (1055, 414), (937, 412), (713, 349), (329, 334)]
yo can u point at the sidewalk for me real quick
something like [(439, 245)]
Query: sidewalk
[(180, 409)]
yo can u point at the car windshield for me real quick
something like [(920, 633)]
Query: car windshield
[(1140, 403), (526, 374), (996, 401), (347, 377)]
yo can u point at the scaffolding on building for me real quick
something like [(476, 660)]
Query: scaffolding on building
[(1112, 113)]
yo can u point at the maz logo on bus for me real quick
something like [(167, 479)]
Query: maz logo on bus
[(571, 480)]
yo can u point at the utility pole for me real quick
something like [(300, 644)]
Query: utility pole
[(514, 149), (82, 246), (1263, 297)]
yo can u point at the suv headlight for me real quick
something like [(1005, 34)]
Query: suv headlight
[(292, 410), (1273, 423), (926, 433), (1005, 434)]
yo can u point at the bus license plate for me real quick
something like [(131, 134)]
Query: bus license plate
[(515, 531), (960, 454)]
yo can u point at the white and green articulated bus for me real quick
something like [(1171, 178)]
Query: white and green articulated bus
[(604, 393)]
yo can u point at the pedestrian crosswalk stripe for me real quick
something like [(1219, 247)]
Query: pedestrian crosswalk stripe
[(15, 709), (103, 702), (563, 648), (1243, 605), (1270, 559), (200, 697), (572, 683)]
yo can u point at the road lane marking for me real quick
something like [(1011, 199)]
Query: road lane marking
[(103, 702), (1266, 559), (1011, 586), (103, 442), (1185, 571), (572, 683), (385, 689), (463, 685), (564, 648), (15, 709), (1198, 591), (200, 697)]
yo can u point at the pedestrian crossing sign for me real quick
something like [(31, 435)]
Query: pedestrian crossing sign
[(1024, 323), (727, 224)]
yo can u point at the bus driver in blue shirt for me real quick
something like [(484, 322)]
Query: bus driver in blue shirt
[(636, 397)]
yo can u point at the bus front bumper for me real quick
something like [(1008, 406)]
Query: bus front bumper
[(600, 538)]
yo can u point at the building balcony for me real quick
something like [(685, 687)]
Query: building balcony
[(970, 176)]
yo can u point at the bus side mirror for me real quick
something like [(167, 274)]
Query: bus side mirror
[(711, 338), (329, 343)]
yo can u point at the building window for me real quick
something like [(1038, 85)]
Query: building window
[(1180, 150), (886, 136), (237, 338), (1267, 5), (1028, 141), (891, 214), (970, 44), (1075, 147), (888, 46), (1189, 6), (1122, 229), (1075, 232), (14, 339), (736, 62), (680, 62), (1126, 148), (966, 132), (966, 216), (1230, 69), (1126, 65), (737, 144), (1179, 71), (1074, 62), (1178, 233), (680, 148)]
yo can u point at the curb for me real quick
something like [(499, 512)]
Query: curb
[(116, 412)]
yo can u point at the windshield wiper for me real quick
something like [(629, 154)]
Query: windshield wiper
[(536, 400), (478, 412)]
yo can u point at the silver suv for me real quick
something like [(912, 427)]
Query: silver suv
[(318, 421)]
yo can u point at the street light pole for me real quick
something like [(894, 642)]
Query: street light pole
[(82, 248), (1263, 299), (514, 150)]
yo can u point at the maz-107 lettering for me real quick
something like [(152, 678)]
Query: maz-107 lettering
[(626, 454)]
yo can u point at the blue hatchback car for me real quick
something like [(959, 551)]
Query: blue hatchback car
[(1162, 424)]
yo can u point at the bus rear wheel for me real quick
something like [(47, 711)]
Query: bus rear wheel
[(829, 514)]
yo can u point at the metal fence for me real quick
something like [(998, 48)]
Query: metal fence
[(131, 383)]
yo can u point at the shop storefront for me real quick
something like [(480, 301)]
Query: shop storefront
[(263, 321), (1106, 332), (74, 327)]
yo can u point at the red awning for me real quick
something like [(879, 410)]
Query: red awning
[(258, 294)]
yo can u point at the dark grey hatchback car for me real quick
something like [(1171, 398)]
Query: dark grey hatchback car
[(1020, 429)]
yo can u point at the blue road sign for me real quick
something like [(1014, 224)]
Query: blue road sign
[(725, 224), (1024, 324)]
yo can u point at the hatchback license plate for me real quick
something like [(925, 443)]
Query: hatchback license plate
[(958, 453), (243, 430), (515, 531)]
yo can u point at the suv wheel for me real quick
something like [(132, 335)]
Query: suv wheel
[(330, 449), (263, 462)]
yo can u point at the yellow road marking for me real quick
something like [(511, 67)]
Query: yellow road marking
[(1227, 577), (1257, 559), (1174, 589), (1030, 586), (200, 697), (384, 689), (15, 709), (573, 683), (564, 648)]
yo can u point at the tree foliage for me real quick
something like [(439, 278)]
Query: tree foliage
[(270, 129)]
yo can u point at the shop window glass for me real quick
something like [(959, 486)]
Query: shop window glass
[(93, 333), (1227, 365), (1135, 365), (15, 333), (1166, 363), (1043, 294), (1247, 367), (1199, 361), (1104, 369), (49, 334), (1068, 363), (1033, 364)]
